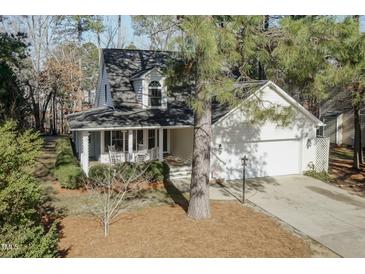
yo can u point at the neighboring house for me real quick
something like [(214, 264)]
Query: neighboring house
[(340, 128), (135, 112), (338, 117)]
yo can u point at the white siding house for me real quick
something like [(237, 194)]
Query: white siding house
[(135, 113)]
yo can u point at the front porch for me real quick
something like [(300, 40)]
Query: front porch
[(131, 145)]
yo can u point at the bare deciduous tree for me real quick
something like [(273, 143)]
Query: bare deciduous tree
[(111, 188)]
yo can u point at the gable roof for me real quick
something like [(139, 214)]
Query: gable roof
[(124, 64), (295, 104), (336, 103), (141, 74), (254, 89)]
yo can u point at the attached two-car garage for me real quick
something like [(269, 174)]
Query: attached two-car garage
[(271, 149)]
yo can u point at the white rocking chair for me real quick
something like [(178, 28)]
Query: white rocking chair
[(142, 154), (113, 155)]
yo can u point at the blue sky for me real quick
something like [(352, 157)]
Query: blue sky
[(362, 23), (128, 33)]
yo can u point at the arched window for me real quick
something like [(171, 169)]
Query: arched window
[(154, 94)]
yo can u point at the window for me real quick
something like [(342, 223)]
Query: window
[(154, 94), (107, 140), (106, 93), (117, 138), (151, 138), (137, 139)]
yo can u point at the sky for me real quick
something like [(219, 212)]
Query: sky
[(362, 23), (128, 33), (142, 42)]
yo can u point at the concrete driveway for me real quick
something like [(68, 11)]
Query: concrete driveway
[(326, 213)]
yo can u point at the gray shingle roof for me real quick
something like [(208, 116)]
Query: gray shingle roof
[(337, 102), (121, 65)]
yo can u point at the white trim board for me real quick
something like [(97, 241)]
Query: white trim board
[(285, 96), (126, 128)]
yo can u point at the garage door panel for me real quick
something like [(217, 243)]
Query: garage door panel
[(265, 158), (277, 158)]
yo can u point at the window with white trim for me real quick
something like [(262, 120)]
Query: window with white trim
[(154, 94), (117, 138), (137, 139), (151, 138)]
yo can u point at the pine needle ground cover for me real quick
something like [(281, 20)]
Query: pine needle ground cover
[(166, 231), (156, 226), (342, 174)]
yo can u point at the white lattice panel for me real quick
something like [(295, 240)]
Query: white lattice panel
[(322, 153)]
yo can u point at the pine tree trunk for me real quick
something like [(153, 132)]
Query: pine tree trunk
[(361, 153), (199, 207), (54, 127), (357, 140)]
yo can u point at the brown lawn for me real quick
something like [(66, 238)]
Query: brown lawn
[(341, 171), (166, 231), (157, 227)]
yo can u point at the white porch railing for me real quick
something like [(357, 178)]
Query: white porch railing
[(149, 154)]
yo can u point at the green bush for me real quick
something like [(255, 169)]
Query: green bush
[(67, 169), (156, 170), (28, 241), (99, 171), (22, 231), (323, 176)]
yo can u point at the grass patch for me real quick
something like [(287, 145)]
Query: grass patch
[(322, 176), (341, 153), (78, 202)]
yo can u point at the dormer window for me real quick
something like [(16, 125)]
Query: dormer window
[(106, 93), (154, 94)]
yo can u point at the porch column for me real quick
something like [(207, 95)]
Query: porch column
[(160, 144), (130, 145), (102, 142), (85, 151)]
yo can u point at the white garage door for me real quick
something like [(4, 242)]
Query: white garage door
[(266, 158), (275, 158)]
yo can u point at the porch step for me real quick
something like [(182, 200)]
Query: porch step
[(180, 175), (180, 172)]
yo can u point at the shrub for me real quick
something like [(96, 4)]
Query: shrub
[(67, 169), (22, 231), (28, 241), (99, 171), (69, 176), (323, 175), (156, 170)]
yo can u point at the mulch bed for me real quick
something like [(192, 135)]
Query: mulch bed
[(166, 231)]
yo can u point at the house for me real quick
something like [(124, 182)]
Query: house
[(338, 117), (136, 113)]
